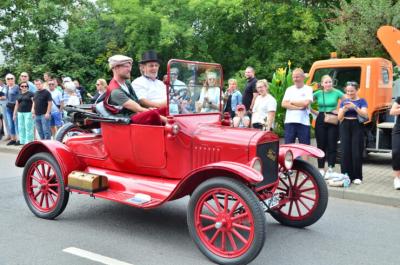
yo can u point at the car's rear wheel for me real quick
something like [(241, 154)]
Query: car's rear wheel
[(306, 194), (43, 186), (226, 221)]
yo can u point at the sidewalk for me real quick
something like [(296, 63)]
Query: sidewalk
[(377, 185)]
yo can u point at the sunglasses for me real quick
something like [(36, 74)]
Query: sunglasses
[(52, 84), (10, 78), (22, 86), (352, 83), (98, 84)]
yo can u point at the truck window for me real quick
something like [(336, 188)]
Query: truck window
[(385, 76), (339, 75)]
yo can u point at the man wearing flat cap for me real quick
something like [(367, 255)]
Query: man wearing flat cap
[(121, 98), (150, 91)]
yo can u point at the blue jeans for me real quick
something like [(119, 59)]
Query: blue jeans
[(43, 127), (297, 130), (12, 125)]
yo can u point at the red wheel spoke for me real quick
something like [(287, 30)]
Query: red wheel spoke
[(284, 183), (290, 207), (217, 202), (238, 235), (54, 185), (210, 208), (208, 227), (302, 183), (297, 207), (39, 173), (290, 180), (51, 198), (234, 208), (307, 197), (41, 199), (35, 178), (33, 186), (305, 205), (282, 189), (247, 228), (307, 189), (48, 172), (43, 171), (243, 215), (212, 240), (37, 194), (223, 240), (53, 192), (232, 241), (205, 216), (47, 200), (226, 203), (296, 178), (51, 177)]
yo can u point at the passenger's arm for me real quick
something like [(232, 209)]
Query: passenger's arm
[(395, 110), (151, 104), (133, 106)]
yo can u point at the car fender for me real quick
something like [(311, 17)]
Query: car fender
[(299, 150), (67, 160), (234, 170)]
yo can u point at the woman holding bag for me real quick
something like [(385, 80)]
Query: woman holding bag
[(327, 123)]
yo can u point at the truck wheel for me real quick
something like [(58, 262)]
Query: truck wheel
[(306, 194), (43, 186), (226, 221), (67, 130)]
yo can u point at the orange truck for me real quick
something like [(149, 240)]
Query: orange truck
[(375, 76)]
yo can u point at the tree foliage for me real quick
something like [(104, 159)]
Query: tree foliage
[(353, 31)]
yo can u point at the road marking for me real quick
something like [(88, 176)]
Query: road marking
[(93, 256)]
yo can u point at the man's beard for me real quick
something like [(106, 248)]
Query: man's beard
[(150, 75)]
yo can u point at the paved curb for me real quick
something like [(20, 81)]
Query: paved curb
[(355, 195)]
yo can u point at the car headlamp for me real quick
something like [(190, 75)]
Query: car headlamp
[(288, 159)]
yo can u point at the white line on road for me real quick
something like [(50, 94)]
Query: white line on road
[(93, 256)]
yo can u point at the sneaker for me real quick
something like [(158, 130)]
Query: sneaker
[(322, 172), (396, 183), (17, 143), (335, 183), (329, 173), (12, 142), (357, 181)]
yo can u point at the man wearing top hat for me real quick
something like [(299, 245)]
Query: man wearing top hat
[(150, 91), (121, 99)]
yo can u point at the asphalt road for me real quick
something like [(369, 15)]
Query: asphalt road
[(349, 233)]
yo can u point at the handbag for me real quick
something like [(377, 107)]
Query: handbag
[(330, 117)]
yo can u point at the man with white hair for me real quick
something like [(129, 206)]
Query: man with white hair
[(297, 101), (12, 92), (24, 77), (121, 99), (151, 92)]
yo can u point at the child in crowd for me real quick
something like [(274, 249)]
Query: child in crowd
[(241, 120)]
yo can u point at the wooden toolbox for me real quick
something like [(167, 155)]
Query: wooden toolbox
[(87, 181)]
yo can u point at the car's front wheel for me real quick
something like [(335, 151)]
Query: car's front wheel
[(226, 221), (43, 186)]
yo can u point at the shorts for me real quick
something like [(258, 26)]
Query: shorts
[(297, 130), (56, 119)]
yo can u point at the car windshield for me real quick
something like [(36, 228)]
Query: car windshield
[(194, 87)]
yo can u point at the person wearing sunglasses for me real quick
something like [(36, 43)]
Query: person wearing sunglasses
[(23, 114), (101, 88), (351, 131), (11, 95)]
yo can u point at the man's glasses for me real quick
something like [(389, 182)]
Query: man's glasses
[(23, 76), (10, 78), (23, 86)]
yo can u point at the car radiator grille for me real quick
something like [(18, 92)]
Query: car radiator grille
[(268, 153)]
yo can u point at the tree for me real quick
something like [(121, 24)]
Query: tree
[(353, 31)]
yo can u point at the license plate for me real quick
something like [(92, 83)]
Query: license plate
[(272, 202)]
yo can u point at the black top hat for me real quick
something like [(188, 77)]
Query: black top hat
[(149, 56)]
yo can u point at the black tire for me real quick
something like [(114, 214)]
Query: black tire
[(249, 206), (67, 130), (306, 205), (41, 199)]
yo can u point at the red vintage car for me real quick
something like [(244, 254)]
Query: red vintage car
[(232, 175)]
